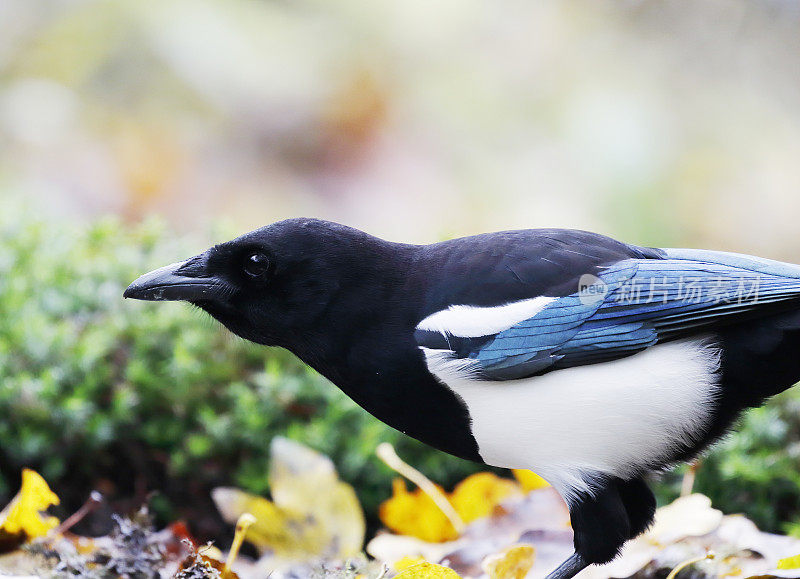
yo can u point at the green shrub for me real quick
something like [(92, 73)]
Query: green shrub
[(755, 470), (128, 397)]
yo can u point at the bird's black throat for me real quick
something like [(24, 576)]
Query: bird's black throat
[(392, 383)]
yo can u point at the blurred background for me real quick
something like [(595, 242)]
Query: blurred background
[(133, 132)]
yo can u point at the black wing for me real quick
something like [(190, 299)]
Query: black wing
[(609, 300)]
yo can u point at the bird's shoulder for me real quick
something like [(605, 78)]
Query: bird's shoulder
[(497, 268)]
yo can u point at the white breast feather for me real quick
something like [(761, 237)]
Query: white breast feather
[(611, 418), (472, 322)]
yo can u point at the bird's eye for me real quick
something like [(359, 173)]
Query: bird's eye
[(256, 265)]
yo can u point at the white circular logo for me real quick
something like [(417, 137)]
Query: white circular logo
[(591, 289)]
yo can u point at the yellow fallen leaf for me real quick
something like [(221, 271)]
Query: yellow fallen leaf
[(427, 571), (415, 514), (789, 563), (529, 480), (272, 526), (478, 495), (387, 454), (313, 514), (407, 562), (689, 516), (512, 563), (305, 481), (22, 516)]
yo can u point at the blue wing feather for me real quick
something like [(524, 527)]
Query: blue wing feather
[(643, 302)]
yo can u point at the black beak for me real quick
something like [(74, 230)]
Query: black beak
[(186, 280)]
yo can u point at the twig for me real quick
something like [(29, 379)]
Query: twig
[(387, 454), (682, 566), (687, 484), (242, 525), (94, 500)]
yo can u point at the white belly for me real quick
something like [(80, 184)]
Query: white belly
[(610, 418)]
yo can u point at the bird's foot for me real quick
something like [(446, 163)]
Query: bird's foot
[(569, 568)]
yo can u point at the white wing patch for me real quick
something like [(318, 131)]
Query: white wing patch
[(447, 367), (613, 418), (472, 321)]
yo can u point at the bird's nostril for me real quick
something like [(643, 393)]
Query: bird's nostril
[(194, 267)]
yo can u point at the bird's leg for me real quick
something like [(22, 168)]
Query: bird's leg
[(569, 568), (640, 504), (601, 524)]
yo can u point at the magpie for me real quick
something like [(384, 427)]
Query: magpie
[(587, 360)]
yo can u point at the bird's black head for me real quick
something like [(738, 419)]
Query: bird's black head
[(281, 284)]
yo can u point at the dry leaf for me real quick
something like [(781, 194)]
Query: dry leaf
[(305, 481), (529, 480), (406, 562), (477, 495), (22, 518), (688, 516), (688, 529), (543, 510), (512, 563), (416, 515), (789, 563), (314, 514), (427, 571)]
